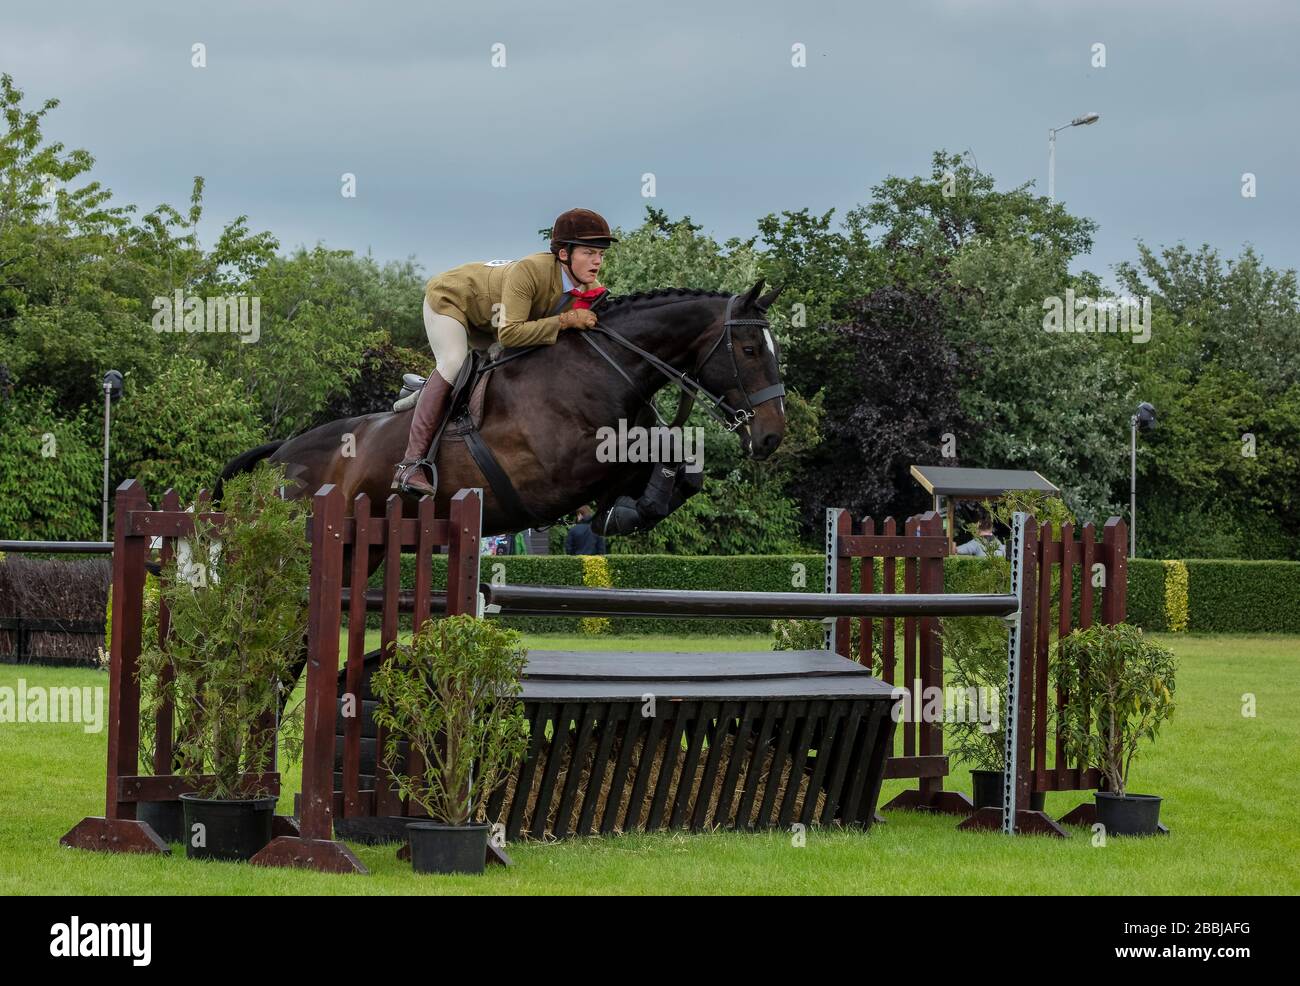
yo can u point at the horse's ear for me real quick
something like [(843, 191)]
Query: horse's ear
[(751, 295), (765, 302)]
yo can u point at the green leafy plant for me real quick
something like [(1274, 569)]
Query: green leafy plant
[(1119, 689), (451, 694), (976, 648), (811, 635), (238, 604)]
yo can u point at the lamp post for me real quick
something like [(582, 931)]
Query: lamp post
[(1144, 419), (112, 392), (1079, 121)]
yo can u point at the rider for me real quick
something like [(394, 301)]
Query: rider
[(522, 302)]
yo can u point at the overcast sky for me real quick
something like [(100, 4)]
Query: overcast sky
[(456, 160)]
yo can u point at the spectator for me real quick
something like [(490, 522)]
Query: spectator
[(580, 540), (975, 546)]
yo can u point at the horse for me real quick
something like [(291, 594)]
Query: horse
[(543, 410)]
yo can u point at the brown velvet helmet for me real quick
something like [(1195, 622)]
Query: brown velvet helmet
[(580, 227)]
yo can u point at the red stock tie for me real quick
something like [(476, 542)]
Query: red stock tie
[(583, 299)]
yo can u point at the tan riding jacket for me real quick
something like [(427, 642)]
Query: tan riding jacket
[(530, 289)]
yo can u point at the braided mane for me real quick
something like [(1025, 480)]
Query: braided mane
[(617, 302)]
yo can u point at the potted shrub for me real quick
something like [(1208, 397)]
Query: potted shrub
[(1120, 689), (238, 626), (976, 652), (976, 649), (451, 694)]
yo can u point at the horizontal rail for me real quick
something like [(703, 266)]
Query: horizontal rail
[(59, 547), (545, 600), (569, 601)]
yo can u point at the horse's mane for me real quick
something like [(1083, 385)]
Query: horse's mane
[(622, 301)]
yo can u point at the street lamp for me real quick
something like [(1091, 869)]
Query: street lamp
[(112, 392), (1145, 420), (1087, 120)]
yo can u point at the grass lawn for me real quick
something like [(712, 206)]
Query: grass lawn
[(1227, 781)]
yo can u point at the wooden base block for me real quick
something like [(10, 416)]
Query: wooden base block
[(1027, 823), (115, 835), (322, 855), (942, 802), (1085, 814)]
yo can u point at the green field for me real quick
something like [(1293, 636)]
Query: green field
[(1227, 780)]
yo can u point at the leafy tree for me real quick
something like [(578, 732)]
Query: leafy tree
[(313, 331), (50, 469), (1058, 403), (181, 428), (925, 223), (78, 275), (1240, 314), (821, 272), (378, 382), (904, 399), (666, 253), (1221, 369)]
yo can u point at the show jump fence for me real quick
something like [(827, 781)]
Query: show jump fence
[(792, 726)]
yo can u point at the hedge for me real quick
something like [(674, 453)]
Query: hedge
[(1243, 596), (1220, 596)]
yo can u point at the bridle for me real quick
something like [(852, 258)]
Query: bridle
[(714, 405)]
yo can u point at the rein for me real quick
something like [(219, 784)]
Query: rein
[(716, 407)]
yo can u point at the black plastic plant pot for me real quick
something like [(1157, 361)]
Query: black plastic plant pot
[(986, 786), (231, 830), (439, 848), (1132, 814), (165, 817)]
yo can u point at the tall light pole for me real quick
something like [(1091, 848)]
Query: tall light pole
[(1079, 121), (112, 391), (1144, 419)]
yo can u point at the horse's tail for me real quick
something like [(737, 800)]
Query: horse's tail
[(244, 462)]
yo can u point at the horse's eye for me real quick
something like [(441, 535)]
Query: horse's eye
[(749, 350)]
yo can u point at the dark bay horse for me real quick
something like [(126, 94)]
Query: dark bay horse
[(543, 409)]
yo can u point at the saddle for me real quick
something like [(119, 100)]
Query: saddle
[(464, 418)]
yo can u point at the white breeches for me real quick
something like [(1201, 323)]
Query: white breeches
[(449, 340)]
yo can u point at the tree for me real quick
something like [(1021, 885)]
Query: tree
[(181, 428), (78, 275), (904, 400), (49, 471), (1058, 403), (314, 328), (378, 382), (1223, 370)]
